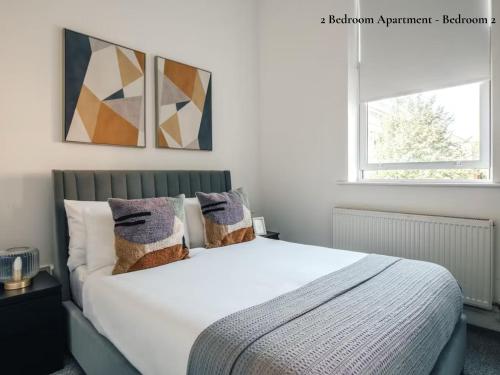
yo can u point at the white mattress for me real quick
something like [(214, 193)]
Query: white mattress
[(154, 316), (77, 278)]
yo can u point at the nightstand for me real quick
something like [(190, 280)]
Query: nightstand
[(32, 328), (271, 235)]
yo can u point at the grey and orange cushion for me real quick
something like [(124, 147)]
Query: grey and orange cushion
[(226, 217), (148, 232)]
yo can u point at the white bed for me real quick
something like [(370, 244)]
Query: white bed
[(154, 316)]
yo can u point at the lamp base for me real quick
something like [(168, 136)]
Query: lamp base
[(11, 285)]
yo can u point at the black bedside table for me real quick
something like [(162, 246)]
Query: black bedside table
[(271, 235), (31, 328)]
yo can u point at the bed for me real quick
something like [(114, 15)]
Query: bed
[(161, 330)]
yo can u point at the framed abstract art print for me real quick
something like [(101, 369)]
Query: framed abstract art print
[(104, 95), (183, 106)]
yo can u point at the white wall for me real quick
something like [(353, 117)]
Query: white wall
[(218, 35), (303, 98)]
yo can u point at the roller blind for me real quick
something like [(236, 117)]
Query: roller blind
[(409, 58)]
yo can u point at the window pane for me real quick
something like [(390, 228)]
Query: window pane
[(428, 174), (433, 126)]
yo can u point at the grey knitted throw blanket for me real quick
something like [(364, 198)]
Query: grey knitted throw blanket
[(380, 315)]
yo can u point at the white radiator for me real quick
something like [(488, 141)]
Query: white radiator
[(463, 246)]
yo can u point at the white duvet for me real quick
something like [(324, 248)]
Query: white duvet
[(154, 316)]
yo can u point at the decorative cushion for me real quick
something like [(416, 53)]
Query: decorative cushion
[(148, 232), (226, 217)]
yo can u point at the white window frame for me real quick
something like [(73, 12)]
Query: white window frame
[(484, 143)]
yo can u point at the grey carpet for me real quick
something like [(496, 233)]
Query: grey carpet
[(483, 352), (71, 367), (482, 358)]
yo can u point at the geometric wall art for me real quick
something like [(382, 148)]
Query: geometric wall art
[(104, 94), (183, 106)]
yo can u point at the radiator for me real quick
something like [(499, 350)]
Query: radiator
[(463, 246)]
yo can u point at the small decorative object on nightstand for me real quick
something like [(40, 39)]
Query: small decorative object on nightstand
[(31, 327), (259, 226), (18, 265), (271, 235)]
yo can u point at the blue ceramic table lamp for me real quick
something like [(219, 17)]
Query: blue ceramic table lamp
[(18, 266)]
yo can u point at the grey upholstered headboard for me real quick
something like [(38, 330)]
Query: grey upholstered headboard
[(101, 185)]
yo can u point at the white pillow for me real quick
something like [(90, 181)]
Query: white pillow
[(76, 229), (194, 223), (186, 234), (100, 233)]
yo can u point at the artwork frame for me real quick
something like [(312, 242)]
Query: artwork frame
[(104, 92), (259, 226), (183, 106)]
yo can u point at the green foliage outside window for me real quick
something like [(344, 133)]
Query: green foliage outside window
[(416, 129)]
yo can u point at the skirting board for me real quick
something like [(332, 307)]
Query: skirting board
[(483, 318)]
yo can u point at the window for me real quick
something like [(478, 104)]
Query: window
[(438, 134), (423, 92)]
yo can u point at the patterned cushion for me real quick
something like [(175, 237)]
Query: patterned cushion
[(226, 217), (148, 232)]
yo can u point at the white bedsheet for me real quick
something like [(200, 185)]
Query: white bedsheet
[(77, 278), (154, 316)]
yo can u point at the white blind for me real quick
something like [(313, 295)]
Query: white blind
[(408, 58)]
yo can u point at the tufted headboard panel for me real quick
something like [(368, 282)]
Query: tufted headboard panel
[(101, 185)]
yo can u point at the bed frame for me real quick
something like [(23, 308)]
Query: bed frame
[(96, 354)]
